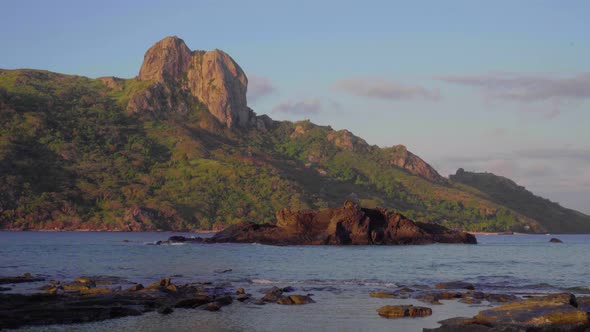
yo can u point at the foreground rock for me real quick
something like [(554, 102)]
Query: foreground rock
[(347, 225), (557, 312), (81, 301), (27, 277), (401, 311)]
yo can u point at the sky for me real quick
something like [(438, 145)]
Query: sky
[(496, 86)]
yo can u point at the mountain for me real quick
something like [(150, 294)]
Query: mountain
[(178, 148), (552, 216)]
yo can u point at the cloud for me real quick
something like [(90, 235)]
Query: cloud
[(302, 107), (259, 86), (527, 88), (380, 88)]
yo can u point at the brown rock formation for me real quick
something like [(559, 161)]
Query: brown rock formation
[(349, 224), (212, 77), (402, 158), (166, 61)]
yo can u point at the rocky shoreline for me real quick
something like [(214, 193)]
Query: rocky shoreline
[(88, 299)]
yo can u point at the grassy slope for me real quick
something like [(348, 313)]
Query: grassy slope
[(553, 216), (72, 158)]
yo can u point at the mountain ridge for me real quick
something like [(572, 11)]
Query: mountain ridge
[(157, 152)]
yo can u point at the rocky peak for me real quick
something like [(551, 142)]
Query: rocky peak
[(400, 156), (166, 61), (212, 77)]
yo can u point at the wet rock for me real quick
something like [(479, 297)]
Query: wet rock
[(212, 306), (53, 290), (460, 324), (383, 295), (470, 300), (500, 298), (400, 311), (27, 277), (295, 300), (135, 288), (94, 291), (193, 302), (224, 300), (54, 282), (177, 238), (556, 312), (584, 303), (259, 302), (555, 240), (243, 297), (75, 287), (240, 291), (474, 294), (163, 283), (288, 289), (455, 285), (171, 288), (405, 290), (85, 281), (430, 299), (272, 295), (165, 310)]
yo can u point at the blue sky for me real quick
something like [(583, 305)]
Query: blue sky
[(500, 86)]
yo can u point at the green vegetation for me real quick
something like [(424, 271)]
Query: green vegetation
[(551, 215), (73, 157)]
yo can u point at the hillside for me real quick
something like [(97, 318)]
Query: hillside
[(178, 148), (551, 215)]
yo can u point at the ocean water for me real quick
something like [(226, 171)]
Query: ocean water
[(339, 278)]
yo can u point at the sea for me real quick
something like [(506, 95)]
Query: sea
[(338, 277)]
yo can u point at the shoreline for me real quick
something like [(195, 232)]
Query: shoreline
[(104, 300)]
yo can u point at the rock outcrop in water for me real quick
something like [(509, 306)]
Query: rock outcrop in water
[(347, 225)]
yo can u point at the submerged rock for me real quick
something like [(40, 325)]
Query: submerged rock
[(295, 300), (400, 311), (555, 240), (455, 285), (27, 277), (347, 225)]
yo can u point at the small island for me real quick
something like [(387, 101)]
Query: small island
[(350, 224)]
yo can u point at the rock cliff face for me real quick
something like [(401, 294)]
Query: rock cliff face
[(402, 158), (212, 77), (347, 225)]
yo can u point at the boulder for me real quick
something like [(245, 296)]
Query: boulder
[(272, 295), (401, 311), (243, 297), (555, 240), (213, 306), (135, 288), (455, 285), (295, 300)]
